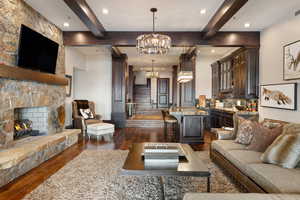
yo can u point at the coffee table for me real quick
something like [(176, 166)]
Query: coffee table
[(191, 166)]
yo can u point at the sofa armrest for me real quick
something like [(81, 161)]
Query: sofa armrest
[(225, 135)]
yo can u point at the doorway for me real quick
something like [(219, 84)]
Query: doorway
[(163, 88)]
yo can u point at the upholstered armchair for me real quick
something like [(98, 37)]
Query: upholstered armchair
[(78, 120)]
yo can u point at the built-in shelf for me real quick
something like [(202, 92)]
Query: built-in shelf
[(19, 73)]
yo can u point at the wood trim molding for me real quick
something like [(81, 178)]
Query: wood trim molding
[(19, 73), (115, 38), (87, 16), (225, 12)]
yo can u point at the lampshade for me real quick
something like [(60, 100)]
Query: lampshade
[(185, 76)]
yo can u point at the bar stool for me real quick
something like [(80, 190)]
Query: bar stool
[(170, 122)]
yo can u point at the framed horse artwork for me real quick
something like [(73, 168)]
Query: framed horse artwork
[(281, 96), (291, 57)]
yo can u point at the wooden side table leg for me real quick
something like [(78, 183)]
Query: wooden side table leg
[(161, 178)]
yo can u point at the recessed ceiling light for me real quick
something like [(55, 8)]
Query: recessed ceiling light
[(203, 11), (247, 25), (105, 11), (66, 24), (213, 51)]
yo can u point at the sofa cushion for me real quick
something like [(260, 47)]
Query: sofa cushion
[(241, 158), (275, 179), (221, 145), (206, 196)]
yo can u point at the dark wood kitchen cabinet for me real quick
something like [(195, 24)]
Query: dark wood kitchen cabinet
[(220, 118), (238, 75), (192, 129), (215, 68)]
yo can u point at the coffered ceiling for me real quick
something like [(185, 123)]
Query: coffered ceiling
[(173, 15)]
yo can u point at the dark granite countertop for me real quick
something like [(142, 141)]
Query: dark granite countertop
[(185, 111)]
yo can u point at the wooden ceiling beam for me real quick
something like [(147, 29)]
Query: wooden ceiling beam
[(87, 16), (222, 39), (225, 12)]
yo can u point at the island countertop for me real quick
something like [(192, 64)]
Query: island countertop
[(186, 111)]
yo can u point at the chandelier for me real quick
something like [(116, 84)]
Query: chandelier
[(152, 74), (153, 43)]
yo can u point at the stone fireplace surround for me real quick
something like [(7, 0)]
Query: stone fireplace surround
[(20, 94), (19, 156)]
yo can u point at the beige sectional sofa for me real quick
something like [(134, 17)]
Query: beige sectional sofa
[(205, 196), (269, 178)]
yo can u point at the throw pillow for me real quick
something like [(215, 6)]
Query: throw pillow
[(284, 151), (238, 119), (87, 113), (245, 132), (291, 128), (263, 137)]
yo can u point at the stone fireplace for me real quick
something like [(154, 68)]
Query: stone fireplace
[(37, 102)]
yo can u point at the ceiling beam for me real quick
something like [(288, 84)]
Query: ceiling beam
[(116, 51), (87, 16), (225, 12), (222, 39)]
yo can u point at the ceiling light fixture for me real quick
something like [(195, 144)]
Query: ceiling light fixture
[(153, 43), (213, 51), (66, 24), (247, 25), (202, 11), (105, 11), (152, 74), (185, 76)]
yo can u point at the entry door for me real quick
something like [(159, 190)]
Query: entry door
[(163, 92)]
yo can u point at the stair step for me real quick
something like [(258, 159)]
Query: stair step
[(145, 123)]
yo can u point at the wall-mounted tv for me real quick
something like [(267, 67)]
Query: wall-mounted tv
[(37, 52)]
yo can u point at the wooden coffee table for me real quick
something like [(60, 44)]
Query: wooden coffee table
[(191, 166)]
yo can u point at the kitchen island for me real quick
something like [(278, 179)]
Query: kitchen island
[(191, 124)]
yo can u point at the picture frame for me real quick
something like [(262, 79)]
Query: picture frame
[(291, 61), (280, 96), (69, 86)]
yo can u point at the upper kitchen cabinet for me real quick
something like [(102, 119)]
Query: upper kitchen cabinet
[(237, 75), (246, 73), (215, 68)]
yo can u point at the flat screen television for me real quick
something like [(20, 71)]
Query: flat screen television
[(36, 52)]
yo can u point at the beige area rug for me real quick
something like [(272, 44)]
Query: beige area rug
[(94, 175)]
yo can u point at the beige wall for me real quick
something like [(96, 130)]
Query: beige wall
[(95, 83), (74, 60), (203, 75), (271, 63)]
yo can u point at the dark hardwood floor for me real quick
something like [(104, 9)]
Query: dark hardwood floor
[(123, 139)]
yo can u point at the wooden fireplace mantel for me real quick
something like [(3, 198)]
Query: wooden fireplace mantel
[(19, 73)]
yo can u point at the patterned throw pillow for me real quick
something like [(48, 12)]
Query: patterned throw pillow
[(284, 151), (238, 119), (263, 137), (245, 132), (87, 113)]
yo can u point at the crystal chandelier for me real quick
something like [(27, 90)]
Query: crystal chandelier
[(152, 74), (153, 43)]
